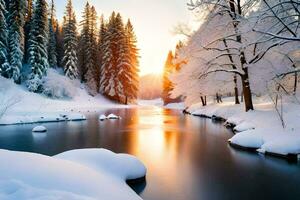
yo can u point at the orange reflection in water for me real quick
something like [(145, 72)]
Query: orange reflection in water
[(158, 142)]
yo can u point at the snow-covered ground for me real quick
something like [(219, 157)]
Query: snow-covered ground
[(18, 106), (260, 129), (159, 103), (86, 174)]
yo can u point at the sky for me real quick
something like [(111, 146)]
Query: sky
[(153, 20)]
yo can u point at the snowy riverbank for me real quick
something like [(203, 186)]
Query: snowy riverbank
[(86, 174), (19, 106), (260, 129)]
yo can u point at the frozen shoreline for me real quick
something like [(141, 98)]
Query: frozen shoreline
[(258, 130), (19, 106)]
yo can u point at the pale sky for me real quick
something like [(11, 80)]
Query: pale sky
[(153, 20)]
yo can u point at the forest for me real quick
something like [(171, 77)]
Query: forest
[(103, 53)]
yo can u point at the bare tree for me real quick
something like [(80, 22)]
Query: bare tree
[(236, 10), (285, 15)]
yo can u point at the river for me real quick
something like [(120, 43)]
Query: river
[(187, 157)]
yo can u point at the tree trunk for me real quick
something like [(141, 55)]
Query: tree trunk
[(245, 77), (295, 83), (203, 100), (236, 90), (247, 92)]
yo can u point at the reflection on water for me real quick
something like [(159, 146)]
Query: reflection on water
[(187, 157)]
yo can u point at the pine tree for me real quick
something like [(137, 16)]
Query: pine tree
[(52, 55), (110, 86), (4, 65), (59, 38), (38, 43), (167, 84), (119, 58), (84, 53), (27, 28), (131, 89), (93, 73), (101, 47), (70, 59), (16, 20)]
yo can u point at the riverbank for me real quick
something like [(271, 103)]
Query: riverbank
[(260, 130), (19, 106)]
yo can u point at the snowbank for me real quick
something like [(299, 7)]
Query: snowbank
[(260, 129), (18, 106), (40, 117), (86, 174)]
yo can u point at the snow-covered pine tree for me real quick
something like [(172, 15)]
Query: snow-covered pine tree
[(116, 59), (92, 74), (167, 84), (27, 28), (4, 65), (52, 55), (132, 85), (38, 43), (101, 47), (84, 54), (59, 43), (70, 59), (107, 82), (16, 20)]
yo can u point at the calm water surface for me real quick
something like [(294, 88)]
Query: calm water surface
[(187, 157)]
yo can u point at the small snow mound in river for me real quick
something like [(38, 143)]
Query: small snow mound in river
[(86, 174), (39, 129), (102, 117), (113, 116)]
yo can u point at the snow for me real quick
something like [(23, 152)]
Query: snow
[(113, 116), (153, 102), (175, 106), (18, 106), (39, 129), (260, 129), (40, 117), (102, 117), (86, 174)]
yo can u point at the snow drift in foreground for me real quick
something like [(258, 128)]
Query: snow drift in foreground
[(260, 129), (86, 174)]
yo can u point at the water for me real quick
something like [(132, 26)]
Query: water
[(187, 157)]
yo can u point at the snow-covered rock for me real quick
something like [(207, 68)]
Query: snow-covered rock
[(87, 174), (113, 116), (39, 129), (102, 117)]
